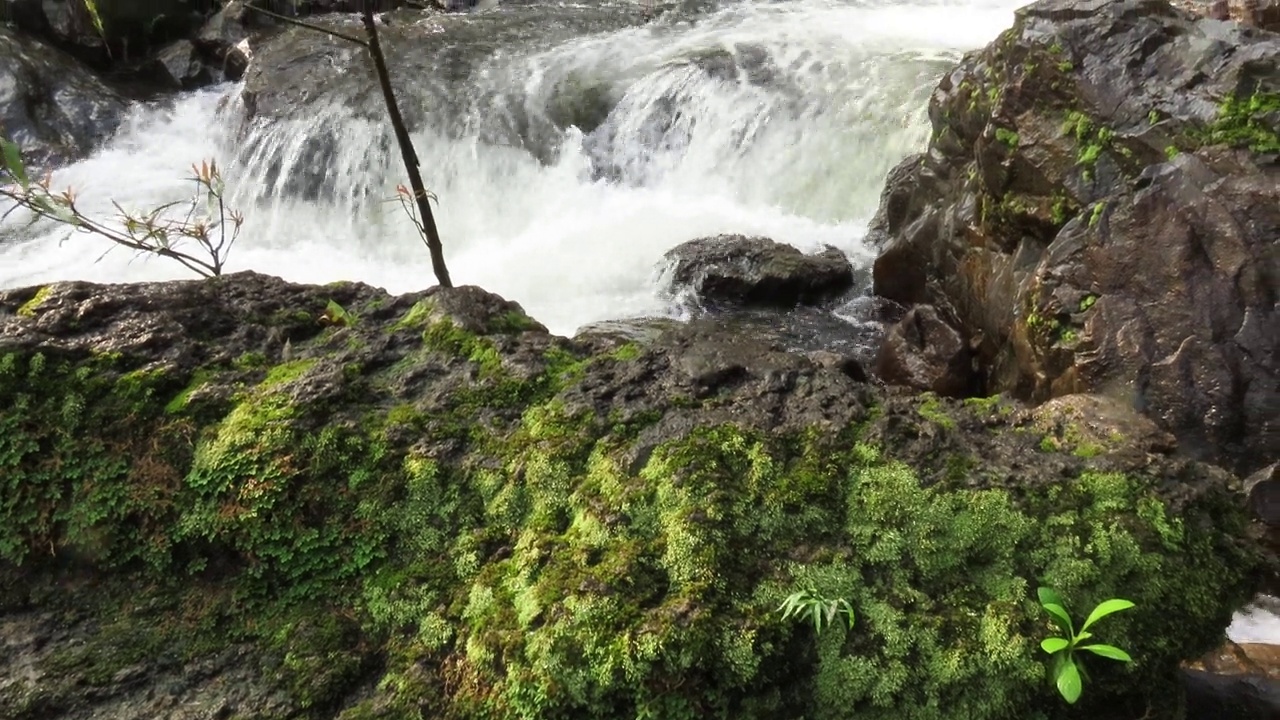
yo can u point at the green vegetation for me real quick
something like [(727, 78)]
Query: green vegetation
[(1008, 138), (1247, 122), (492, 552), (1067, 673), (29, 307), (1098, 209), (808, 605)]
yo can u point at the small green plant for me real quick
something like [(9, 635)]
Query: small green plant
[(809, 604), (1068, 675), (1007, 137), (208, 222), (335, 314)]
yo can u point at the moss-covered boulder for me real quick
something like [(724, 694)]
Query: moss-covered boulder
[(252, 499)]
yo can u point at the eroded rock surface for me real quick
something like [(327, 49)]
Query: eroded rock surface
[(1099, 207)]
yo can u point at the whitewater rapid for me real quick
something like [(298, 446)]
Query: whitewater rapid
[(800, 158)]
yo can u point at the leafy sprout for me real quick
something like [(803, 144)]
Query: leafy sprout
[(816, 608), (1068, 675)]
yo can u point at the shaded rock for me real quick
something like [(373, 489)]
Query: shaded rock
[(1237, 681), (51, 106), (131, 29), (223, 40), (923, 352), (1104, 225), (180, 66), (736, 270)]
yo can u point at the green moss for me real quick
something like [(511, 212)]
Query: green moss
[(1087, 302), (446, 337), (1066, 66), (29, 308), (934, 411), (1008, 138), (250, 361), (626, 352), (495, 554), (988, 405), (417, 317), (1096, 214), (287, 372), (1247, 122), (512, 322)]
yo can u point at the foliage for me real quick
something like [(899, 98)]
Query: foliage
[(1247, 122), (1067, 674), (808, 603), (497, 553), (208, 223)]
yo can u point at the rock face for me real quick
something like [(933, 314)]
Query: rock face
[(924, 352), (1099, 208), (223, 499), (736, 270), (51, 106)]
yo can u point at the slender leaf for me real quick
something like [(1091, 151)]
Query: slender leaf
[(1050, 596), (1110, 606), (12, 157), (1054, 644), (1108, 651), (1069, 683)]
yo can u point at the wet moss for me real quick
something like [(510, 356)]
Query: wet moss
[(29, 308)]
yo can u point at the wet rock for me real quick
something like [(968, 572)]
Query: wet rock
[(1237, 681), (1105, 225), (924, 352), (224, 41), (736, 270), (51, 106), (131, 29)]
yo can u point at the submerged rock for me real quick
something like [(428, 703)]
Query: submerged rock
[(736, 270), (427, 505), (1100, 204)]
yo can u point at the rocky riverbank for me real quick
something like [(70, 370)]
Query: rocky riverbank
[(250, 498)]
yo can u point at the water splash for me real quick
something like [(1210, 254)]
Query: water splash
[(565, 167)]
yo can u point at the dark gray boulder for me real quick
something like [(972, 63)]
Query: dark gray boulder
[(737, 270), (51, 106)]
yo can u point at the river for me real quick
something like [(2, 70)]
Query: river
[(773, 118)]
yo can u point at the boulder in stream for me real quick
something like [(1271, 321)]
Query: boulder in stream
[(737, 270)]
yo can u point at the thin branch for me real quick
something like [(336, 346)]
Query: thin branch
[(309, 26), (431, 235)]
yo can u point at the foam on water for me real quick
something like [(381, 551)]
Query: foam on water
[(799, 156)]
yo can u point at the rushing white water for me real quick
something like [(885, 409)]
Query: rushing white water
[(796, 148)]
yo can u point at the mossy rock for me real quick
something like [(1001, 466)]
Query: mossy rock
[(461, 516)]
